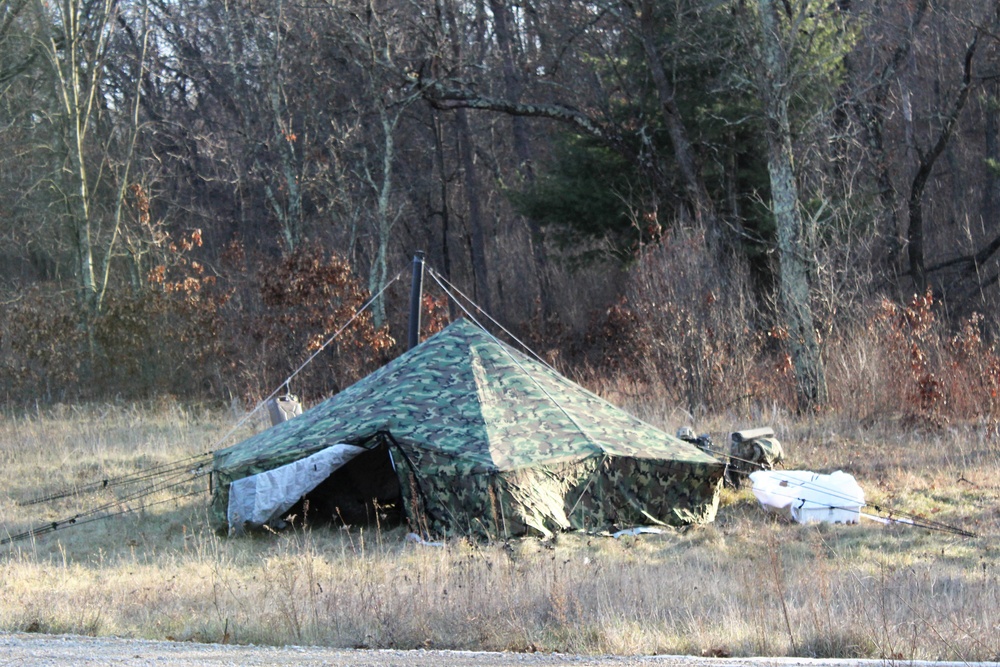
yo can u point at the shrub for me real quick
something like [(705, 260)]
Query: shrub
[(236, 332), (940, 374), (41, 341), (687, 327)]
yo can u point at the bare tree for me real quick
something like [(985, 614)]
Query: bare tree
[(95, 131), (16, 47), (944, 129), (926, 162), (871, 97), (796, 47)]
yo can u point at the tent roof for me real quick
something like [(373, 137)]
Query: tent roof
[(464, 396)]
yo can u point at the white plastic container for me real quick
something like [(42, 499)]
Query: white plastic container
[(806, 496)]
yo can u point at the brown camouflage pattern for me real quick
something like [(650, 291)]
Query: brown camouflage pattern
[(749, 456), (489, 442)]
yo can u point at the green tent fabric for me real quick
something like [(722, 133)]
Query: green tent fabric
[(486, 441)]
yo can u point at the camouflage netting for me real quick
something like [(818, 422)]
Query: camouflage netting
[(486, 441)]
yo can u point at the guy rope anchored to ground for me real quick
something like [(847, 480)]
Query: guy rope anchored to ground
[(177, 477), (744, 467), (739, 464)]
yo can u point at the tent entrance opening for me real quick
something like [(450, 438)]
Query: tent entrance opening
[(363, 492)]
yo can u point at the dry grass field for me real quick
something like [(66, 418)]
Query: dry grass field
[(750, 584)]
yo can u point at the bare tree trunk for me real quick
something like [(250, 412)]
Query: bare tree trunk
[(472, 196), (289, 215), (76, 49), (991, 141), (915, 230), (472, 193), (385, 219), (701, 203), (281, 185), (522, 151), (445, 205), (795, 238), (872, 114)]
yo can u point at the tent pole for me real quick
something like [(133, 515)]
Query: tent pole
[(416, 293)]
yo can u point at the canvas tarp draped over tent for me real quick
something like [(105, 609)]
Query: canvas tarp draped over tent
[(262, 498), (483, 440)]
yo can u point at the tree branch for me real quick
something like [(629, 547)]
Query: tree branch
[(972, 261), (456, 96), (915, 232)]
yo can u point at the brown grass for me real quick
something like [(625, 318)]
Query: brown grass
[(747, 585)]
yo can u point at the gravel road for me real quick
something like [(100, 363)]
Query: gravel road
[(34, 650)]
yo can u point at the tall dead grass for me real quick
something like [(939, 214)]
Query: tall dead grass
[(688, 336), (746, 585), (913, 415)]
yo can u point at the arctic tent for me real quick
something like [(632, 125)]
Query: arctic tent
[(469, 437)]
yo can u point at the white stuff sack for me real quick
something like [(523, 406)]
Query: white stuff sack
[(806, 496)]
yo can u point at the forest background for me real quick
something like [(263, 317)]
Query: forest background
[(724, 204)]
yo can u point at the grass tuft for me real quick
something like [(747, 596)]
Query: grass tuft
[(750, 584)]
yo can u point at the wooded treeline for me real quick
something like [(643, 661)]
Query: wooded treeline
[(733, 200)]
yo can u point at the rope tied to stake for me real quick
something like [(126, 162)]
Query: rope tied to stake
[(171, 475)]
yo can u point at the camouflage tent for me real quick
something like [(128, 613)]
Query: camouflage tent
[(473, 437)]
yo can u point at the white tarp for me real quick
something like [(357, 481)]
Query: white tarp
[(260, 498), (808, 496)]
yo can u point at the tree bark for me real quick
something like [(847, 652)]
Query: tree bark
[(453, 96), (13, 63), (795, 239), (872, 114), (991, 142), (702, 207), (915, 229), (477, 233), (384, 221), (522, 150), (76, 50)]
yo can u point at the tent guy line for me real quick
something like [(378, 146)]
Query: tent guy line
[(103, 511), (193, 463), (514, 359), (439, 279), (168, 470), (906, 518)]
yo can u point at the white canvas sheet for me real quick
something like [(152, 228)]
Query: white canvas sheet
[(257, 499), (808, 496)]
